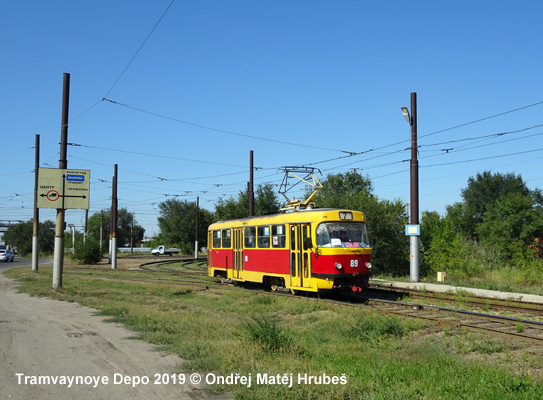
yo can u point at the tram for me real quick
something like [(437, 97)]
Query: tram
[(310, 250)]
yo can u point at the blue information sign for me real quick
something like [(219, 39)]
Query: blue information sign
[(75, 178), (412, 230)]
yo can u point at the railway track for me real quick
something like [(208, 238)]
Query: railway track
[(517, 328), (484, 303), (189, 274)]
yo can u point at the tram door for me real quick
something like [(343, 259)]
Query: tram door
[(300, 258), (237, 246)]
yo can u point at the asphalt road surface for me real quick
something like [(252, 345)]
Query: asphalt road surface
[(18, 262), (52, 349)]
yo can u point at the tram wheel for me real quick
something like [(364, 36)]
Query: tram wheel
[(273, 288)]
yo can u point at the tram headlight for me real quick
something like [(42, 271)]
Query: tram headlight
[(368, 265), (339, 267)]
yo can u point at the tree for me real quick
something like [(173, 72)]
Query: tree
[(510, 224), (126, 223), (386, 219), (337, 189), (501, 211), (482, 192), (232, 208), (347, 184), (20, 236), (495, 224), (177, 224), (442, 247), (266, 200), (386, 224)]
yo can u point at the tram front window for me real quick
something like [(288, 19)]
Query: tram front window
[(340, 234)]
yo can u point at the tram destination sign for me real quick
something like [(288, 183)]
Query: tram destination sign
[(63, 188)]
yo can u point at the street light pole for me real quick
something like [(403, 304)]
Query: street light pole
[(414, 238)]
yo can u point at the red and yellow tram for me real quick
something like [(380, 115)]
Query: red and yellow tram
[(307, 250)]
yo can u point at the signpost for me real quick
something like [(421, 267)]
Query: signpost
[(63, 188)]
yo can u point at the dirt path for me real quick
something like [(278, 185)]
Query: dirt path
[(44, 341)]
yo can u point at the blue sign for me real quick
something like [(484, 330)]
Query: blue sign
[(412, 230), (75, 178)]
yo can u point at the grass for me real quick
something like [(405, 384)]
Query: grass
[(240, 332), (505, 279)]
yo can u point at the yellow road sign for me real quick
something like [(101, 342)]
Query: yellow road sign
[(63, 188)]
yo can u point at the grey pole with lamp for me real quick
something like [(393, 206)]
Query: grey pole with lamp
[(414, 229)]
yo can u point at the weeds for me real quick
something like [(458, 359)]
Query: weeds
[(268, 334)]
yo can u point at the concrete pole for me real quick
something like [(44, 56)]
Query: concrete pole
[(114, 221), (86, 233), (101, 227), (73, 239), (196, 241), (36, 225)]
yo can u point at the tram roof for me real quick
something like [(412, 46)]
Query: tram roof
[(308, 215)]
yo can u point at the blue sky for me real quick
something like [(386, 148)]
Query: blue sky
[(297, 82)]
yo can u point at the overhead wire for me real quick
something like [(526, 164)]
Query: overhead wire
[(156, 155), (365, 168), (222, 130), (127, 66), (481, 119), (138, 51)]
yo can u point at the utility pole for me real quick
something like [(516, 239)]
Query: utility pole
[(114, 220), (196, 242), (251, 192), (35, 226), (58, 258), (86, 233), (101, 227), (414, 230)]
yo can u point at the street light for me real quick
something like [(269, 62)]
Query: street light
[(405, 112), (413, 230)]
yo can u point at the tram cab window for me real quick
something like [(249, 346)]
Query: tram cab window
[(217, 239), (250, 237), (226, 238), (341, 234), (263, 236), (278, 236)]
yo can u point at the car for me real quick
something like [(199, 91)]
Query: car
[(6, 255)]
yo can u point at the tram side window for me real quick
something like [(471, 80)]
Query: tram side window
[(278, 236), (250, 237), (217, 239), (263, 236), (226, 238)]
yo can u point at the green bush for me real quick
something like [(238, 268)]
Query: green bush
[(187, 248), (87, 253)]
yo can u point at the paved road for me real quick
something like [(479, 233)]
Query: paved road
[(19, 261)]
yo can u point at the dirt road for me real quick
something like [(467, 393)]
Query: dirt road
[(58, 350)]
